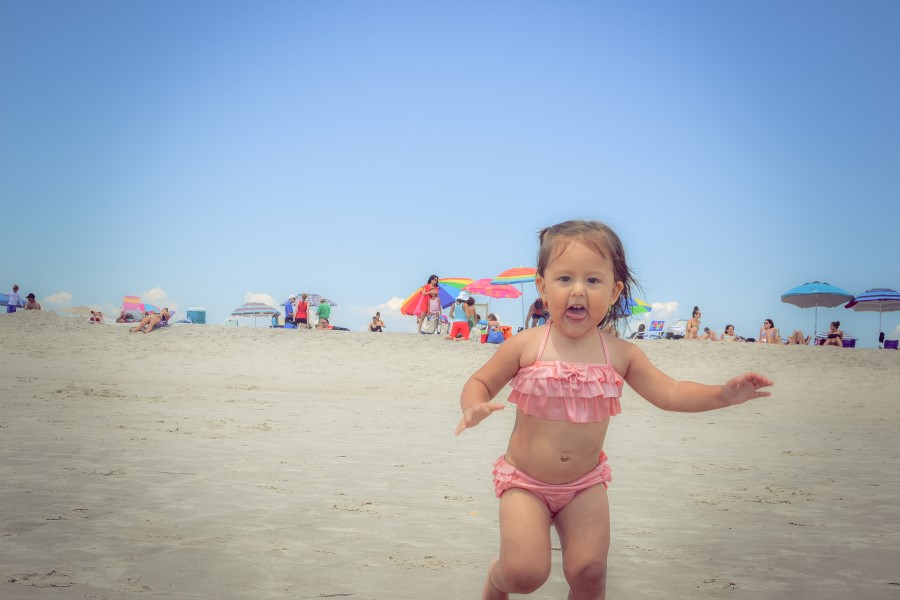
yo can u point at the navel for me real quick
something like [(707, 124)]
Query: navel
[(564, 458)]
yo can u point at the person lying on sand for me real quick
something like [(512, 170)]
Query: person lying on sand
[(150, 321)]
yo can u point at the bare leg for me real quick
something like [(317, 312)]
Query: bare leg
[(583, 528), (524, 562)]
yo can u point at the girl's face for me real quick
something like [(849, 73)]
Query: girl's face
[(729, 330), (579, 286), (766, 325)]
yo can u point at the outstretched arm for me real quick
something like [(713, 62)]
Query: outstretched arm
[(475, 399), (687, 396)]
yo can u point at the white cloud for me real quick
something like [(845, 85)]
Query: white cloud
[(260, 297), (662, 311), (58, 299), (393, 304), (160, 298)]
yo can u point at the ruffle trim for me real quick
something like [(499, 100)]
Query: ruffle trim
[(580, 393)]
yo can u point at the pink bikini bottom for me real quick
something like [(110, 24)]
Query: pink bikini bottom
[(555, 496)]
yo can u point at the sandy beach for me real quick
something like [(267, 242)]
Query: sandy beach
[(230, 463)]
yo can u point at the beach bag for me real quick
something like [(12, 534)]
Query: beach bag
[(495, 337), (430, 324)]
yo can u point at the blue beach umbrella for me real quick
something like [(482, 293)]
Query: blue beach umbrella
[(880, 299), (816, 294), (4, 301)]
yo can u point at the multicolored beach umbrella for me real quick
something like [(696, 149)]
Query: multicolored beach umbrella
[(881, 299), (634, 307), (518, 275), (515, 275), (448, 289), (816, 294)]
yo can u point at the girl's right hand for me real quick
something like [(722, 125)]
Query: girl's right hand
[(476, 414)]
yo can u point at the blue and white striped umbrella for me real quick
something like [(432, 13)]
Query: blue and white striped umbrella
[(881, 299)]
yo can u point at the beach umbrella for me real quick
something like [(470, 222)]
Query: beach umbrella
[(816, 294), (448, 289), (254, 309), (634, 307), (316, 299), (881, 299), (4, 301), (484, 287), (518, 275)]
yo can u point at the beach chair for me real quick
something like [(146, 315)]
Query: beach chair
[(654, 333), (165, 322), (676, 331)]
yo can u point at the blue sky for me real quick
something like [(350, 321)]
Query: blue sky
[(207, 153)]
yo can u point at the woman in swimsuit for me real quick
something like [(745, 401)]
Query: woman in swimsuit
[(835, 335), (693, 325), (768, 334), (797, 338), (566, 381), (728, 334), (150, 321)]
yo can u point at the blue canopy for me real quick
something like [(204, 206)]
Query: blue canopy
[(816, 294), (4, 301)]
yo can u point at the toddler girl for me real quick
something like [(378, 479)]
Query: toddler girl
[(566, 381)]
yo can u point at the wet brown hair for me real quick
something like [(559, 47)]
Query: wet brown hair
[(600, 238)]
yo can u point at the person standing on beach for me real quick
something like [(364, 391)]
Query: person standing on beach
[(301, 316), (289, 309), (323, 311), (429, 290), (566, 381), (13, 300), (31, 303)]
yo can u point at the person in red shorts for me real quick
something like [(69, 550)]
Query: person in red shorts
[(460, 313)]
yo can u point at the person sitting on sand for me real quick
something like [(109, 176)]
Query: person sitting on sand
[(709, 334), (150, 321), (728, 334), (377, 325), (31, 303), (835, 335), (768, 334), (693, 325), (796, 338), (125, 317), (96, 316)]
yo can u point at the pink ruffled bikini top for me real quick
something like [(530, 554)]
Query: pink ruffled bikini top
[(567, 391)]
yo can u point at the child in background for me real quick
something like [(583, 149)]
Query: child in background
[(566, 381)]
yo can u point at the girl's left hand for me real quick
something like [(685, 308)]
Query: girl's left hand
[(745, 387)]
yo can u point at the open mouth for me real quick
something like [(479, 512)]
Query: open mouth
[(576, 312)]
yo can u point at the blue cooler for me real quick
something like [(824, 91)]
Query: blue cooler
[(197, 315)]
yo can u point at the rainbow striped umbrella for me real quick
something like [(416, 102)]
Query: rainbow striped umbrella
[(515, 275), (448, 289), (518, 275)]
